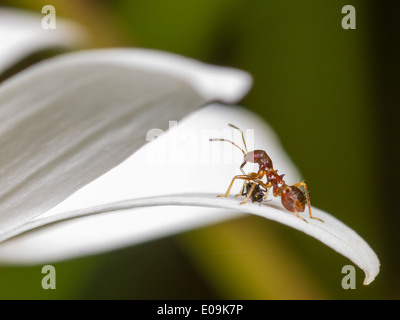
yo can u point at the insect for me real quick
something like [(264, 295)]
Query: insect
[(293, 198), (258, 194)]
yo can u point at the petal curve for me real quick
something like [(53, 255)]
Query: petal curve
[(68, 120), (157, 214)]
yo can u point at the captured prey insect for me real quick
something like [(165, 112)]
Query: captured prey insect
[(258, 195), (292, 197)]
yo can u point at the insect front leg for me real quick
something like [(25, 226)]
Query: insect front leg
[(241, 192), (244, 177)]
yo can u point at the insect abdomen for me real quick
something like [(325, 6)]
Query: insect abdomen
[(293, 199)]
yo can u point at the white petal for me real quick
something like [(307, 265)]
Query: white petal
[(68, 120), (21, 34), (182, 160), (213, 82), (98, 232), (332, 232)]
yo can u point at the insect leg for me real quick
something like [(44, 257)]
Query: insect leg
[(266, 194), (244, 177), (298, 216), (249, 194), (241, 192), (303, 184)]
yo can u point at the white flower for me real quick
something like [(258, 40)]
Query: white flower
[(77, 172)]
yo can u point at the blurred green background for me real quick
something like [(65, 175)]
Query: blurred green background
[(329, 93)]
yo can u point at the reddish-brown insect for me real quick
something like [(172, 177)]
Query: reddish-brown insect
[(292, 197)]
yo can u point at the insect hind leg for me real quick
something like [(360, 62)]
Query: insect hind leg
[(303, 184)]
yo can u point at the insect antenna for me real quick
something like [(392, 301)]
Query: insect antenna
[(230, 142), (244, 141)]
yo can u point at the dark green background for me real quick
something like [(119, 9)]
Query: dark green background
[(331, 96)]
